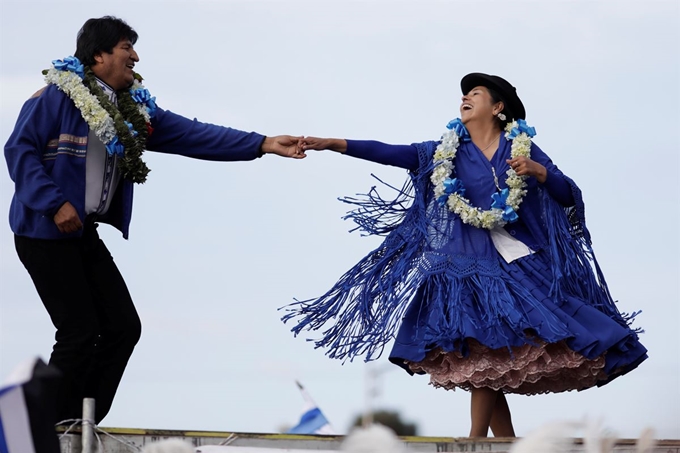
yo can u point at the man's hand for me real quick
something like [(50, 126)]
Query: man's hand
[(67, 219), (284, 145)]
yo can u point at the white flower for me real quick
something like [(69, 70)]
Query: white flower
[(443, 158), (96, 117), (510, 126)]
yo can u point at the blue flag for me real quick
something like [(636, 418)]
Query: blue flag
[(312, 420), (27, 409)]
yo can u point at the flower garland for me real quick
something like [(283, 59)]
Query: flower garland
[(123, 128), (450, 191)]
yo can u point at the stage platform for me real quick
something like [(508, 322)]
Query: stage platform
[(127, 440)]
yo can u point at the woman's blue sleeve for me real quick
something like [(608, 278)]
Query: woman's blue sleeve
[(555, 183), (403, 156)]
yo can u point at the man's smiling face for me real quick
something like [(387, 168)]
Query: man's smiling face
[(116, 69)]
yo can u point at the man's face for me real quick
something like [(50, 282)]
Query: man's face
[(116, 68)]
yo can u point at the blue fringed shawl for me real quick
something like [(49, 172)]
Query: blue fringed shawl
[(428, 248)]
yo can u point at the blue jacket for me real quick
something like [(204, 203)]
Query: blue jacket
[(46, 159)]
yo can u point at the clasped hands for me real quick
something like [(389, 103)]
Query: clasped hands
[(295, 147)]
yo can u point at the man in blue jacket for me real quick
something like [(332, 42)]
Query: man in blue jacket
[(74, 157)]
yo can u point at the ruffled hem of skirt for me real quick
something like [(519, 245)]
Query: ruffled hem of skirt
[(528, 369)]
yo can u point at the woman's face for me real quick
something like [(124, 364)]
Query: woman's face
[(478, 105)]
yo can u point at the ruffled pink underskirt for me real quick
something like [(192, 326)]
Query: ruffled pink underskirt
[(530, 370)]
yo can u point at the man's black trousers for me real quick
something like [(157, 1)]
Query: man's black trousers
[(91, 308)]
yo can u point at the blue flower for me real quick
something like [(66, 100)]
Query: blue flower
[(142, 96), (132, 129), (459, 128), (115, 147), (499, 202), (522, 126), (451, 186), (70, 64), (454, 185)]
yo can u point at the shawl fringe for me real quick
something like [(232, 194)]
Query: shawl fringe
[(574, 266)]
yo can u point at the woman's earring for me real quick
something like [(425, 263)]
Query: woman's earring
[(501, 116)]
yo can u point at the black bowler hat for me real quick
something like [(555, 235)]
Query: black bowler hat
[(507, 92)]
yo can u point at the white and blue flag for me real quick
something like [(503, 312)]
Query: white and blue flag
[(27, 409), (312, 420)]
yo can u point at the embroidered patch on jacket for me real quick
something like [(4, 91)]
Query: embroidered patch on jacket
[(66, 144)]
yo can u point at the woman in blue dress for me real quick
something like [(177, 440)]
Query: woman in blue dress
[(486, 279)]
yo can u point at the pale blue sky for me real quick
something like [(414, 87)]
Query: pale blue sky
[(216, 248)]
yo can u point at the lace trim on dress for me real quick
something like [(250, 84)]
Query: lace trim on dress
[(527, 370)]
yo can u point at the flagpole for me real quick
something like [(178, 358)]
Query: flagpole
[(87, 433), (371, 390)]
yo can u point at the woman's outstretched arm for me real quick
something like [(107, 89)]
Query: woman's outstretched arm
[(403, 156)]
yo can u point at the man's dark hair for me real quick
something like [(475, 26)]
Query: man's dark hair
[(101, 35)]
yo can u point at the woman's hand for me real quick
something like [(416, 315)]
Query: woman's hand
[(525, 166), (316, 143)]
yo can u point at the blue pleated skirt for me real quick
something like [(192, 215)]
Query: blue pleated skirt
[(543, 344)]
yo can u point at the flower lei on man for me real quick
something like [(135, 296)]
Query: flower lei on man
[(123, 128), (450, 191)]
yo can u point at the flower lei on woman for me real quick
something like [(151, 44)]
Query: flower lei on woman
[(123, 128), (450, 191)]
